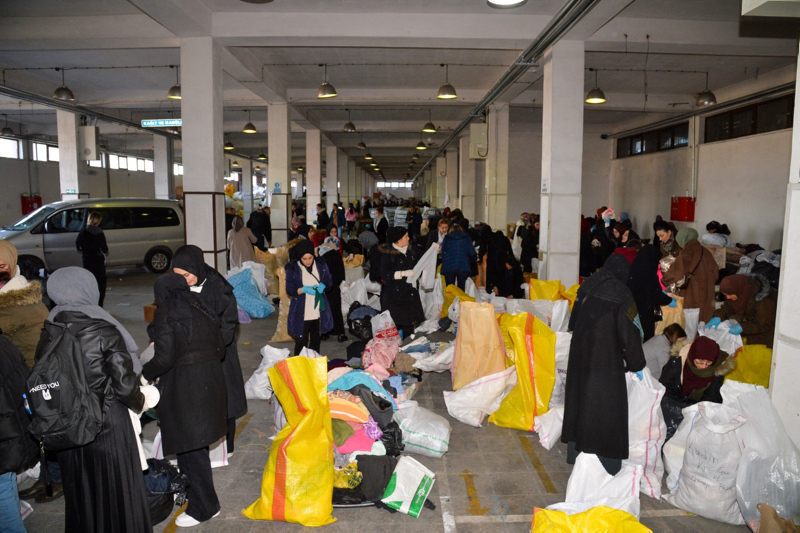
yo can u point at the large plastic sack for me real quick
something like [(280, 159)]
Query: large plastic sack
[(425, 269), (753, 365), (480, 398), (769, 470), (671, 315), (731, 390), (257, 271), (535, 360), (559, 321), (344, 290), (282, 330), (270, 262), (563, 341), (590, 485), (598, 518), (675, 448), (258, 386), (723, 337), (435, 362), (424, 432), (450, 293), (549, 426), (646, 430), (298, 479), (353, 274), (433, 300), (707, 484), (479, 345), (692, 317), (409, 486), (248, 295), (452, 311), (570, 295), (470, 288), (383, 327), (541, 289)]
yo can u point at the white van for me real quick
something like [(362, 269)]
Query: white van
[(139, 232)]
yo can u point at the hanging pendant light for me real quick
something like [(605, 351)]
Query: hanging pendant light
[(228, 145), (299, 168), (235, 164), (63, 92), (421, 146), (249, 127), (361, 145), (262, 156), (349, 127), (596, 95), (429, 127), (505, 4), (446, 91), (174, 92), (373, 164), (368, 157), (326, 90), (706, 97), (7, 132), (258, 168), (415, 156)]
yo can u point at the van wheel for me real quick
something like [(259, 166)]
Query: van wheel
[(157, 261)]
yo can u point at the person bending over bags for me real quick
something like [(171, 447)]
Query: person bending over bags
[(752, 302), (307, 281), (694, 373)]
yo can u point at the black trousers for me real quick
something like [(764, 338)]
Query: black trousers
[(203, 501), (310, 338), (97, 266), (457, 278), (231, 433)]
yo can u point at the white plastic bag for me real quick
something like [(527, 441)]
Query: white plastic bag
[(559, 320), (358, 292), (731, 390), (707, 484), (258, 386), (482, 397), (548, 426), (470, 288), (432, 300), (675, 448), (563, 340), (722, 336), (344, 290), (516, 306), (646, 430), (218, 453), (452, 311), (409, 486), (692, 317), (353, 274), (435, 362), (383, 327), (425, 269), (424, 432), (373, 287), (769, 470), (374, 302), (590, 485)]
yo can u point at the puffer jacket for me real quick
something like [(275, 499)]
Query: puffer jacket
[(22, 315), (758, 322), (457, 252), (18, 450)]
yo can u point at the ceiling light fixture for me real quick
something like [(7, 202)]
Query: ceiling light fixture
[(706, 97), (7, 132), (262, 156), (349, 127), (235, 164), (228, 145), (326, 90), (596, 95), (429, 127), (258, 168), (249, 127), (505, 4), (415, 157), (446, 91), (174, 92), (368, 156), (63, 92), (421, 146), (373, 164), (299, 168), (361, 145)]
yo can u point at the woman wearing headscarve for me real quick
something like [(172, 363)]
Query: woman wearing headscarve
[(530, 245), (188, 348), (102, 481), (752, 302), (503, 271), (217, 295), (606, 343), (335, 265), (240, 243), (700, 270), (694, 373), (398, 296), (646, 289), (307, 281)]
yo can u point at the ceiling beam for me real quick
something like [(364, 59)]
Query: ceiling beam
[(184, 18)]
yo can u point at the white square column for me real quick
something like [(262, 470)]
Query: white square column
[(279, 150), (497, 169), (332, 176), (466, 179), (343, 176), (450, 197), (201, 110), (73, 172), (562, 153), (313, 168), (247, 177), (163, 160)]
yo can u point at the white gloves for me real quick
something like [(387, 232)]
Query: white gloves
[(408, 274)]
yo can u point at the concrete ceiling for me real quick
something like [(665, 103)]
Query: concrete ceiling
[(383, 56)]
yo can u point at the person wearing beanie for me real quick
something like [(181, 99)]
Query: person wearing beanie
[(399, 295), (753, 303), (22, 312), (696, 266), (307, 281)]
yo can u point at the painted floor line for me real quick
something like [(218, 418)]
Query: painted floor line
[(547, 483), (448, 520), (489, 518), (655, 513)]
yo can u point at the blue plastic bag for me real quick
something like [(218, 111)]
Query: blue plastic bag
[(248, 297)]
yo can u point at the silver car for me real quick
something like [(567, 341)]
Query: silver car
[(138, 232)]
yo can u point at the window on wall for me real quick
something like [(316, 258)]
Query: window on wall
[(648, 142), (763, 117), (10, 148), (177, 169)]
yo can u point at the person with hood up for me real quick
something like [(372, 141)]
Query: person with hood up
[(307, 281), (646, 289), (102, 481), (335, 265), (458, 255), (240, 243), (91, 243), (22, 312), (696, 264), (752, 302), (217, 295), (398, 296), (192, 412), (694, 373), (606, 343)]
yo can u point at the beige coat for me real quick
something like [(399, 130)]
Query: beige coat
[(240, 244)]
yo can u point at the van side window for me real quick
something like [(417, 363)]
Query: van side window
[(115, 218), (67, 221), (154, 217)]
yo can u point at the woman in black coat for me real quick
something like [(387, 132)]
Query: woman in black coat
[(503, 271), (646, 289), (336, 267), (606, 343), (91, 243), (398, 296), (217, 294)]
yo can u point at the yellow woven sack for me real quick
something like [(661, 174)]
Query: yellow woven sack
[(298, 480), (671, 315), (356, 260), (570, 294), (753, 365), (282, 330), (270, 262), (600, 519), (450, 293), (542, 289), (535, 359)]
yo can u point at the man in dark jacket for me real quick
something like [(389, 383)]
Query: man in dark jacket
[(414, 222), (261, 226), (381, 225), (323, 220), (457, 256)]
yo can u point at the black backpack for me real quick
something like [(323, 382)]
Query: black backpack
[(66, 413)]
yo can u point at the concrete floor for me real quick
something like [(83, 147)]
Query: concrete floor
[(486, 469)]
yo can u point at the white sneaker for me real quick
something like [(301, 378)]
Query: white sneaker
[(184, 520)]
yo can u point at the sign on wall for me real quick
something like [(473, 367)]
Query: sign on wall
[(161, 122)]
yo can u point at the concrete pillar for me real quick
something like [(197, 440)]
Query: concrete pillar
[(247, 176), (497, 168), (450, 196), (466, 179), (279, 150), (342, 176), (562, 153), (439, 181), (163, 160), (73, 172), (350, 184), (313, 167), (332, 176), (201, 110), (786, 351)]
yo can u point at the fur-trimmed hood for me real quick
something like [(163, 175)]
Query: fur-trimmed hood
[(766, 288), (30, 293), (388, 249), (681, 349)]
